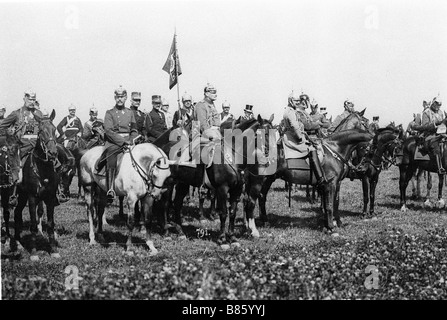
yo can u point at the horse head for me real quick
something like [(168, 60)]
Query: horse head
[(158, 173), (355, 120), (46, 136)]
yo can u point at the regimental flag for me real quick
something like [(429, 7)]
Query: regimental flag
[(172, 65)]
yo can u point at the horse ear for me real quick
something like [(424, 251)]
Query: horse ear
[(37, 117), (272, 117), (259, 118), (233, 124), (362, 112), (53, 114)]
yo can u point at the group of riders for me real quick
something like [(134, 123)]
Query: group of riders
[(122, 125)]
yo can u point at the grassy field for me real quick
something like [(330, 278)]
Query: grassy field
[(292, 259)]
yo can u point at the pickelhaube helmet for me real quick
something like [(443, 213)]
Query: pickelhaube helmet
[(293, 97), (437, 100), (2, 108), (348, 103), (120, 91), (209, 88), (186, 97), (93, 110), (71, 107), (30, 94), (304, 97)]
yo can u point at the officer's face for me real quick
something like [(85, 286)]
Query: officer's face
[(156, 105), (212, 95), (226, 110), (136, 103), (72, 112), (120, 100), (29, 102), (93, 116), (165, 108), (187, 104), (435, 107)]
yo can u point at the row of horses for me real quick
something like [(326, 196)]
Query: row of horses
[(148, 179)]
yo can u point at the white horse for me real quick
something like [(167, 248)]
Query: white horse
[(141, 175)]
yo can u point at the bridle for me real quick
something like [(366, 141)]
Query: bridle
[(148, 177), (45, 145)]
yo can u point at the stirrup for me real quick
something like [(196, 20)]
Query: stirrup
[(111, 195), (13, 200), (441, 170)]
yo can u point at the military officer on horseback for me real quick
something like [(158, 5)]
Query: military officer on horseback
[(135, 100), (316, 116), (296, 122), (120, 129), (225, 115), (206, 115), (349, 108), (155, 122), (69, 128), (186, 112), (432, 119), (24, 125), (93, 132), (374, 126)]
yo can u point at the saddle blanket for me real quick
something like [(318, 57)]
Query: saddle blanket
[(299, 151), (420, 154)]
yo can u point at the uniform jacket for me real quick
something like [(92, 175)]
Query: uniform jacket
[(185, 116), (118, 122), (338, 120), (22, 120), (69, 126), (224, 117), (155, 124), (206, 114), (139, 119)]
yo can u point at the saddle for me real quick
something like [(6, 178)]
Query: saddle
[(100, 164), (201, 153), (297, 155)]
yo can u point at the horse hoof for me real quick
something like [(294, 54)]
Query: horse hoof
[(236, 244), (153, 252), (93, 243), (55, 255), (182, 237), (143, 230), (225, 247), (440, 204), (202, 221), (403, 208), (427, 203), (34, 258), (130, 253), (335, 234), (255, 234)]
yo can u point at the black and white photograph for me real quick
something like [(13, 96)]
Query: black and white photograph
[(223, 154)]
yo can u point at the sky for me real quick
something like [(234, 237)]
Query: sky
[(385, 56)]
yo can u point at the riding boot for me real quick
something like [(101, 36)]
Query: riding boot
[(110, 185), (441, 169), (319, 174)]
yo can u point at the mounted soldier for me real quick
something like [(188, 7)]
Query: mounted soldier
[(318, 117), (120, 129), (168, 116), (248, 113), (186, 113), (155, 122), (23, 124), (93, 132), (374, 126), (349, 108), (69, 128), (135, 101), (225, 115), (432, 128), (297, 121)]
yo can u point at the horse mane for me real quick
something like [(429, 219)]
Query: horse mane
[(336, 136), (353, 114)]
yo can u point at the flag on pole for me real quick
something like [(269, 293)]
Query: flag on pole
[(172, 65)]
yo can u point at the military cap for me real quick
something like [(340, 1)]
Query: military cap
[(376, 118), (209, 88), (304, 96), (225, 104), (293, 96), (135, 96), (187, 97), (30, 94), (93, 110), (156, 99), (249, 108), (120, 91), (323, 109), (71, 107), (2, 108)]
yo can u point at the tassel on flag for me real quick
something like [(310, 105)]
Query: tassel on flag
[(172, 64)]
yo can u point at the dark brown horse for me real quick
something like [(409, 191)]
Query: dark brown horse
[(335, 166), (40, 183), (225, 174), (9, 161), (409, 166)]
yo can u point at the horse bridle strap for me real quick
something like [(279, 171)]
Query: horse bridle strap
[(337, 156), (147, 178)]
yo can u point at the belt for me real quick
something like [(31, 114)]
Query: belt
[(29, 136), (124, 134)]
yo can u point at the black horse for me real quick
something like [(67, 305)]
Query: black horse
[(66, 170), (39, 183)]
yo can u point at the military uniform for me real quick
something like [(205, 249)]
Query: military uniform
[(139, 120), (186, 115), (155, 124), (91, 136), (338, 120), (68, 128), (430, 121), (208, 118), (119, 126), (315, 117)]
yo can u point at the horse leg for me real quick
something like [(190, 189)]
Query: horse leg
[(121, 208), (147, 204), (419, 175), (51, 228), (91, 206), (32, 204), (372, 192), (441, 202), (101, 205), (329, 191), (222, 200), (201, 213), (263, 198), (40, 212), (336, 212), (429, 186), (366, 194), (181, 190), (249, 205), (213, 212), (406, 172), (131, 200)]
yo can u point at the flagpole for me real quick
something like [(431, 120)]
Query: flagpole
[(176, 74)]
